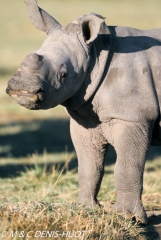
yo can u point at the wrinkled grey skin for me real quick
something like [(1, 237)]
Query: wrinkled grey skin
[(109, 80)]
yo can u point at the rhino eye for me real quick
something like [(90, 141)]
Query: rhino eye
[(63, 72)]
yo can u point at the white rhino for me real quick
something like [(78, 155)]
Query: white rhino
[(109, 80)]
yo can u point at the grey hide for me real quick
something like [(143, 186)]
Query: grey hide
[(109, 80)]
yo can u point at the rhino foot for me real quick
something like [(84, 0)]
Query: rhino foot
[(138, 215), (88, 202)]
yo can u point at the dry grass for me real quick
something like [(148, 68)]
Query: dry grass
[(69, 219), (42, 199), (39, 203)]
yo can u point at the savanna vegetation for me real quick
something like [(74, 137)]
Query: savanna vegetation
[(38, 166)]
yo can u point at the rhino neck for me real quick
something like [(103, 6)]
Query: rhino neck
[(100, 57)]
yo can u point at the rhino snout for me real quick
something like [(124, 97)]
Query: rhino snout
[(26, 89)]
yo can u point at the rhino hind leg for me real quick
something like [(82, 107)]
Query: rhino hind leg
[(131, 141), (90, 148)]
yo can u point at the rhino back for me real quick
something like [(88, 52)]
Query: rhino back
[(131, 89)]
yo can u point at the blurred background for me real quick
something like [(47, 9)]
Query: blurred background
[(29, 137)]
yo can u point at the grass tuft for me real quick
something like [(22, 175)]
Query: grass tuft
[(93, 223), (41, 201)]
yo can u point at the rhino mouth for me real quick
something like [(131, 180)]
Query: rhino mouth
[(24, 97), (22, 93)]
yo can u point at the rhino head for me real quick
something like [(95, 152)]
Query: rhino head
[(55, 72)]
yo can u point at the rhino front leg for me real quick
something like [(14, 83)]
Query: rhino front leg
[(90, 147), (131, 141)]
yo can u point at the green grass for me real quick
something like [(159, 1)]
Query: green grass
[(37, 159)]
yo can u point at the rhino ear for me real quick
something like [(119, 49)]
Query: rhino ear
[(41, 19), (91, 26)]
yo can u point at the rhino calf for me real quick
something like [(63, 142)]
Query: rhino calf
[(109, 80)]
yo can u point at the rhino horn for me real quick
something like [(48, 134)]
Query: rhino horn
[(32, 62), (41, 19)]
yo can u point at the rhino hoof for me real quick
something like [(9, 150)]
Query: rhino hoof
[(126, 214)]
